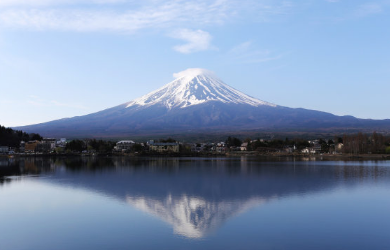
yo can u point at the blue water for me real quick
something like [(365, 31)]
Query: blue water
[(193, 203)]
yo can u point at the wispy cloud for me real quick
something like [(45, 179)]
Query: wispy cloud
[(247, 53), (69, 105), (36, 101), (163, 14), (196, 40), (370, 9), (129, 15), (39, 3), (41, 102)]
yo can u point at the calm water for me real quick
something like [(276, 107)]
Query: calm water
[(193, 203)]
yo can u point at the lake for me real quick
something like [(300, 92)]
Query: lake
[(193, 203)]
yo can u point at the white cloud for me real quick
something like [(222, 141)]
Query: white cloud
[(196, 40), (130, 15), (246, 53)]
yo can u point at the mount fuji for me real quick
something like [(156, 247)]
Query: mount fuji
[(197, 101)]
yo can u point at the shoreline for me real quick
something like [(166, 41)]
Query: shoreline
[(210, 155)]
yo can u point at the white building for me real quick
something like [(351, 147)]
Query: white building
[(244, 146), (124, 145)]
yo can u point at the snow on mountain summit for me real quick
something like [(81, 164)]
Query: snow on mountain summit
[(195, 86)]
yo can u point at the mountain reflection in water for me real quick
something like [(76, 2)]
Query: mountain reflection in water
[(195, 195)]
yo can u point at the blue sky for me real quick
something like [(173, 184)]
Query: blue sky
[(64, 58)]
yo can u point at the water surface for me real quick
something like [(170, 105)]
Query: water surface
[(193, 203)]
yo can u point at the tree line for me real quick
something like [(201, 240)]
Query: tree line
[(359, 143), (364, 144), (100, 146), (267, 145), (12, 138)]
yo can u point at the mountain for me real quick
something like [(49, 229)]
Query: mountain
[(197, 101)]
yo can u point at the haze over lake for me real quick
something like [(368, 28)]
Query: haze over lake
[(193, 203)]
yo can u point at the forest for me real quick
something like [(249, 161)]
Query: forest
[(12, 138)]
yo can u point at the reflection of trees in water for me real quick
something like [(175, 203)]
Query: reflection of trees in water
[(4, 181), (360, 171), (26, 166), (229, 166), (8, 167), (294, 176), (86, 163)]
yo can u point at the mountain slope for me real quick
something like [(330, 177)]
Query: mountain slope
[(197, 102)]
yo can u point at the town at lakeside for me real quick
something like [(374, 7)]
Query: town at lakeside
[(14, 143)]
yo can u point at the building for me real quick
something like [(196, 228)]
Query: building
[(124, 145), (22, 146), (289, 149), (30, 146), (164, 147), (44, 147), (61, 143), (221, 147), (244, 146), (339, 147), (197, 147), (50, 141), (317, 148), (312, 150)]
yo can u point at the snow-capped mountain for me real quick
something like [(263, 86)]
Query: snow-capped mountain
[(192, 87), (197, 101)]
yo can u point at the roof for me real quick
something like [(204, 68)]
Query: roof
[(165, 144), (125, 142)]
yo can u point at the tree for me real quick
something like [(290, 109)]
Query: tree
[(233, 142), (12, 138), (138, 147), (169, 140), (101, 146), (35, 137), (75, 145)]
